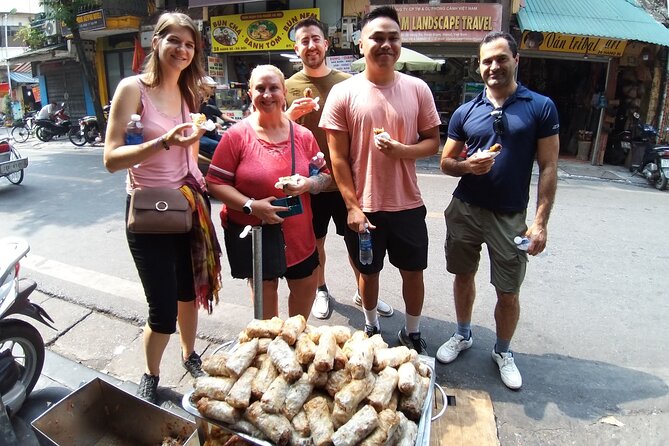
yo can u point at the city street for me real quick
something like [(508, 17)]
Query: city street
[(591, 342)]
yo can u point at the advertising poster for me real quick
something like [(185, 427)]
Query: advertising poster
[(215, 66), (263, 31)]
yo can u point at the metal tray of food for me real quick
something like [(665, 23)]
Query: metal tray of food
[(424, 424)]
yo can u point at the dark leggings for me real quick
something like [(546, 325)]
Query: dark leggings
[(163, 262)]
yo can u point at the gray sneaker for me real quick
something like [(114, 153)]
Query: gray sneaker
[(382, 308), (321, 307), (450, 349)]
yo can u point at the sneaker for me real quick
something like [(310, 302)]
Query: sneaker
[(148, 388), (194, 365), (452, 348), (371, 330), (507, 369), (321, 307), (412, 340), (382, 308)]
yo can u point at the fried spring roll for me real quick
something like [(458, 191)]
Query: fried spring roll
[(354, 392), (407, 378), (340, 416), (297, 394), (391, 357), (239, 396), (262, 344), (292, 328), (214, 365), (266, 374), (320, 422), (358, 427), (263, 328), (301, 424), (275, 396), (325, 352), (276, 427), (318, 379), (305, 349), (394, 400), (340, 359), (356, 337), (384, 386), (423, 369), (361, 360), (412, 404), (341, 333), (248, 428), (213, 387), (378, 341), (406, 432), (283, 358), (388, 422), (336, 381), (218, 410), (242, 357)]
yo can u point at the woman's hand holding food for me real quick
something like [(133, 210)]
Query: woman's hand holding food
[(298, 185), (177, 136)]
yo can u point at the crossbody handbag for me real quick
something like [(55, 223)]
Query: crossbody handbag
[(159, 210)]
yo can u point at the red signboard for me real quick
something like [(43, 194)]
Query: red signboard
[(448, 22)]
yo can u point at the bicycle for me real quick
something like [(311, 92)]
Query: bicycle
[(24, 128)]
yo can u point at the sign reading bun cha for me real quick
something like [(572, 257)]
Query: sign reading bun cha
[(264, 31)]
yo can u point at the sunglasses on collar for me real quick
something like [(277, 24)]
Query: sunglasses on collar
[(497, 123)]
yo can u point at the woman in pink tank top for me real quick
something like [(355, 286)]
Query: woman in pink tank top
[(179, 272)]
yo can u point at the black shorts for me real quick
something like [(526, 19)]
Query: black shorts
[(163, 262), (303, 269), (403, 234), (328, 205), (240, 252)]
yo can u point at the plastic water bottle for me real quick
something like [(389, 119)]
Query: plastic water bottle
[(365, 243), (134, 132), (316, 164), (522, 242)]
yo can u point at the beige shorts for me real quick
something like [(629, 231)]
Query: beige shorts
[(468, 227)]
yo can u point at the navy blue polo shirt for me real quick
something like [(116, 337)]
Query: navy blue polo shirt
[(527, 116)]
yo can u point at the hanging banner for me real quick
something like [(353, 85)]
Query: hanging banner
[(215, 66), (261, 31), (565, 43), (448, 22)]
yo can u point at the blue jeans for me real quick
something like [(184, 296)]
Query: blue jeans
[(208, 146)]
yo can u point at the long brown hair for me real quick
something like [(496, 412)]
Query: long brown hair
[(190, 77)]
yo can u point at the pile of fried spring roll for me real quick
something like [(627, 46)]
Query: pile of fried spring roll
[(295, 384)]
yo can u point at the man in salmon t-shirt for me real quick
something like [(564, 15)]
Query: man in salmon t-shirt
[(377, 177)]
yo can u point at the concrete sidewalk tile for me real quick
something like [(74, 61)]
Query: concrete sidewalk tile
[(96, 340), (65, 315)]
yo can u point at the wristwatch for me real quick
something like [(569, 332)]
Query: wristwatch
[(247, 206)]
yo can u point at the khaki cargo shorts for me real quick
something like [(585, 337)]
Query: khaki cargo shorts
[(468, 227)]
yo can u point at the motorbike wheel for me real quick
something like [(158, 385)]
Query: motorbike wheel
[(20, 133), (27, 348), (91, 133), (661, 181), (77, 137), (43, 134), (16, 177)]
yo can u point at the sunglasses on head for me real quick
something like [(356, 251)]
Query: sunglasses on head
[(497, 123)]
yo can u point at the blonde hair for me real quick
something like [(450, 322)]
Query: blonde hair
[(190, 77), (262, 69)]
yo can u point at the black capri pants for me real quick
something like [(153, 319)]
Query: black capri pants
[(163, 262)]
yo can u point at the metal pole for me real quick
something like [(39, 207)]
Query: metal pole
[(9, 79), (256, 239), (600, 123)]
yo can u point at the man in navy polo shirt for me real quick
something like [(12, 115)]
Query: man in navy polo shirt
[(490, 202)]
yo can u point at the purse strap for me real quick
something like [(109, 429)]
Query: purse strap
[(292, 148)]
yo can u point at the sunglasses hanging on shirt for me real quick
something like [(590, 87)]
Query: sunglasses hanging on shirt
[(498, 122)]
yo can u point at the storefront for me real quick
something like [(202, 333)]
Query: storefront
[(598, 80)]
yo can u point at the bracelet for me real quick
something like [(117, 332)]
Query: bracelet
[(164, 143)]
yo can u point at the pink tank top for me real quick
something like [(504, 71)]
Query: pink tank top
[(166, 168)]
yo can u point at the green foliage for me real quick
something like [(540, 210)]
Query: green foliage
[(67, 10), (32, 37), (7, 105)]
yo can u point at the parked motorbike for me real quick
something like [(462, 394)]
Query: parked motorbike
[(21, 345), (12, 163), (620, 145), (89, 130), (654, 165), (47, 129)]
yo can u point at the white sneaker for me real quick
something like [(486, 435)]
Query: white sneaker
[(507, 369), (382, 308), (321, 307), (450, 349)]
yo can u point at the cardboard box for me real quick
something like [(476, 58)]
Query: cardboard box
[(100, 413)]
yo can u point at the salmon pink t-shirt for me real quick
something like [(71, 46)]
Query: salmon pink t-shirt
[(403, 109)]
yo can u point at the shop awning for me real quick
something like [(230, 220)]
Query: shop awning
[(616, 19), (22, 78), (51, 52)]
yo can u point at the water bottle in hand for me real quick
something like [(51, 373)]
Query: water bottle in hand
[(365, 243), (134, 131), (522, 242), (316, 164)]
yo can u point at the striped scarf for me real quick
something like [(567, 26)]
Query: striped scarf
[(205, 251)]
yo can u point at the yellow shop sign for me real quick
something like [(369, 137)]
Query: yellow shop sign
[(262, 31), (565, 43)]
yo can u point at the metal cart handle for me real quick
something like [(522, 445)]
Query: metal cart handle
[(444, 399)]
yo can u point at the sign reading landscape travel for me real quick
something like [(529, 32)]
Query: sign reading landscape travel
[(261, 31)]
